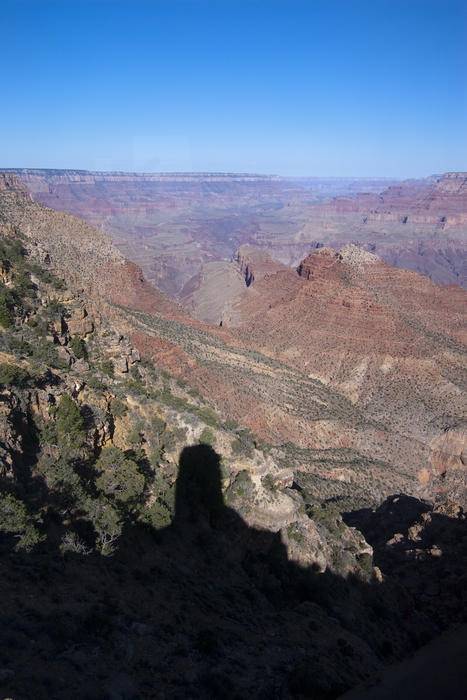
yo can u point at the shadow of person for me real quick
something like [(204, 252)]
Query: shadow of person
[(203, 522), (209, 607), (198, 494)]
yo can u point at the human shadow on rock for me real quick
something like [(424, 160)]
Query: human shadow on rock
[(207, 607)]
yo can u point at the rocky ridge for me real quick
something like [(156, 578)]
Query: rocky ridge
[(419, 225), (374, 329)]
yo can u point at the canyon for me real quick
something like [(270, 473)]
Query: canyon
[(344, 358), (322, 406), (172, 225)]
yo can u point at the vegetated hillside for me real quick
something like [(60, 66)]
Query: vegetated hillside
[(281, 405), (172, 224), (109, 527), (390, 341), (150, 545)]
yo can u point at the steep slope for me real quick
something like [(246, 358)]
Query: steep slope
[(83, 253), (208, 294), (391, 341)]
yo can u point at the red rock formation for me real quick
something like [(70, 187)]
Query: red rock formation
[(389, 340), (255, 263)]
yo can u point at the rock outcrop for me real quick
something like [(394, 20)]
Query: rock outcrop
[(254, 263), (208, 295)]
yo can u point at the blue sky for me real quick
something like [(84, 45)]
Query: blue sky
[(296, 87)]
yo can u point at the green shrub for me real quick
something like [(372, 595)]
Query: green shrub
[(78, 347), (195, 393), (135, 435), (11, 251), (15, 519), (269, 483), (117, 408), (55, 309), (107, 524), (365, 562), (48, 433), (243, 444), (71, 543), (69, 423), (158, 426), (207, 437), (20, 347), (157, 516), (6, 316), (58, 284), (135, 373), (60, 476), (136, 387), (47, 277), (208, 416), (120, 478), (46, 352), (95, 383), (230, 424), (107, 366), (23, 286), (12, 375), (242, 485), (293, 532)]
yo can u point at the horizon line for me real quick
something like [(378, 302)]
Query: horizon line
[(219, 173)]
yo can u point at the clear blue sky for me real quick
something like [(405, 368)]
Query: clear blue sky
[(295, 87)]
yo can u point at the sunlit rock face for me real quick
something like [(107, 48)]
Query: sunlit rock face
[(377, 335)]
